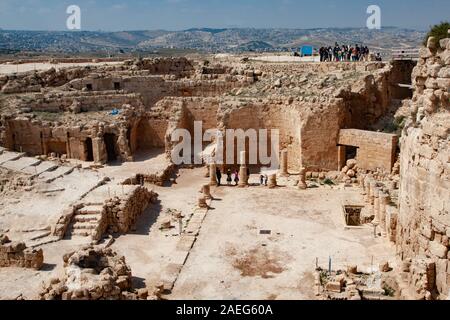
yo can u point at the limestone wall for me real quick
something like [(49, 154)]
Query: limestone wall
[(77, 103), (122, 213), (424, 218), (16, 254), (375, 150)]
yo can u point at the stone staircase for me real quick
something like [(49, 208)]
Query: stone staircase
[(44, 171), (87, 221)]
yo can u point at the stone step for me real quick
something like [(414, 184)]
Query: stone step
[(87, 218), (10, 156), (84, 226), (81, 233), (45, 166), (51, 175), (21, 163), (89, 210)]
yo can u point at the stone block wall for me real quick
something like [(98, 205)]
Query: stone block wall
[(424, 198), (16, 254), (376, 150), (122, 213)]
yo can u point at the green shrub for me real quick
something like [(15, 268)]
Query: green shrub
[(439, 31)]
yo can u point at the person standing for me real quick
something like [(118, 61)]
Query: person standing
[(236, 177), (248, 175), (218, 176), (229, 177)]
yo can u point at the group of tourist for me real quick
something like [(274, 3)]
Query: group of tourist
[(344, 53), (233, 176)]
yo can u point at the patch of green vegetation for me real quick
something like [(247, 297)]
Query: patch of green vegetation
[(47, 116), (388, 291), (323, 278), (396, 126), (439, 31), (328, 182)]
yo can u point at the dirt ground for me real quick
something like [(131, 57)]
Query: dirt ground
[(255, 243), (233, 260)]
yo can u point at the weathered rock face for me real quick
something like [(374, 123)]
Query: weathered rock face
[(424, 218), (92, 274), (16, 254)]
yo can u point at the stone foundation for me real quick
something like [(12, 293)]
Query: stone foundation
[(16, 254)]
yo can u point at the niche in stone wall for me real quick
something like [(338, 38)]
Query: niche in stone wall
[(58, 147), (110, 143), (89, 151)]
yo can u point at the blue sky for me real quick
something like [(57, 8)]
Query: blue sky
[(113, 15)]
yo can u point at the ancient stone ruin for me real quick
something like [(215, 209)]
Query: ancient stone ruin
[(92, 274), (16, 254), (86, 159)]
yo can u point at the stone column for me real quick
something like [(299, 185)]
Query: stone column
[(243, 179), (367, 190), (302, 180), (376, 205), (384, 200), (206, 190), (373, 186), (202, 202), (361, 179), (212, 175), (272, 181), (99, 150), (284, 164)]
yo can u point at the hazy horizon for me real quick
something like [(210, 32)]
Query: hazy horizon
[(179, 15)]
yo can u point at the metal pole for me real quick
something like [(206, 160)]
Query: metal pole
[(329, 265)]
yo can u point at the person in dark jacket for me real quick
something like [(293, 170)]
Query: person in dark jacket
[(218, 176)]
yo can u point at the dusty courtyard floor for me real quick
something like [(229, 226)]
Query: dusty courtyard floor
[(230, 259)]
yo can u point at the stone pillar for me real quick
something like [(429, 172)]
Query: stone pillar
[(212, 175), (376, 205), (284, 164), (243, 178), (206, 190), (272, 181), (373, 186), (302, 180), (341, 158), (367, 190), (361, 180), (384, 200), (202, 202), (99, 150)]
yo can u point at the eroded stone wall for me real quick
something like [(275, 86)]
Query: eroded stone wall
[(16, 254), (424, 218), (375, 150)]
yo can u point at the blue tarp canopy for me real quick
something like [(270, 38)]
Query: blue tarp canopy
[(307, 50)]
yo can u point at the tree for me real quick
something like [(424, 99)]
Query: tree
[(439, 31)]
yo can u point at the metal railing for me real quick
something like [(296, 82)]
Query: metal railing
[(405, 54)]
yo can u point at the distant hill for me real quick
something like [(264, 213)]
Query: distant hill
[(205, 39)]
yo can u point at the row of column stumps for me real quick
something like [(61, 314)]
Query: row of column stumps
[(377, 199), (272, 181)]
